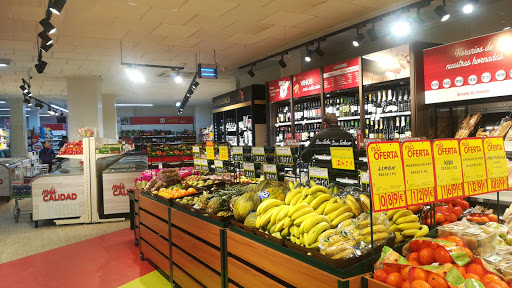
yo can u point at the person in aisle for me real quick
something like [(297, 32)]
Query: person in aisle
[(46, 155), (331, 135), (63, 142)]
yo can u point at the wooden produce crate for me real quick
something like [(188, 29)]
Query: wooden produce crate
[(257, 262), (369, 282), (134, 198), (198, 249), (154, 232)]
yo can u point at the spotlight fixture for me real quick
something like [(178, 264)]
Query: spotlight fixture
[(372, 33), (50, 110), (281, 62), (47, 26), (194, 85), (180, 110), (359, 39), (189, 92), (26, 100), (251, 72), (24, 89), (441, 11), (469, 6), (61, 113), (309, 55), (39, 105), (45, 47), (178, 103), (416, 18), (45, 37), (57, 6), (134, 75), (319, 50), (178, 78), (40, 66), (5, 62), (401, 28), (29, 93)]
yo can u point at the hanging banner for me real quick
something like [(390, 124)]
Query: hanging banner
[(284, 155), (307, 83), (238, 154), (210, 153), (319, 175), (342, 158), (270, 172), (448, 169), (279, 90), (219, 166), (496, 164), (386, 175), (341, 76), (249, 170), (476, 68), (474, 171), (223, 153), (420, 181), (258, 155)]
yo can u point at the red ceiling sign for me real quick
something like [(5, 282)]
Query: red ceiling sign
[(307, 83), (472, 69), (341, 76), (161, 120), (279, 90)]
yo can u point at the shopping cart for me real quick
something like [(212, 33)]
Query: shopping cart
[(21, 189)]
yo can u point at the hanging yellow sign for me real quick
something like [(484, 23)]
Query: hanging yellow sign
[(342, 158), (210, 153), (223, 153), (448, 169), (496, 163), (473, 166), (418, 171)]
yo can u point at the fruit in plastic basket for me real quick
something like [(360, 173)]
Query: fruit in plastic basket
[(476, 269), (420, 284), (427, 256), (395, 279), (380, 275), (442, 256)]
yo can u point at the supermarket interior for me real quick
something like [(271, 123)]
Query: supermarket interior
[(268, 143)]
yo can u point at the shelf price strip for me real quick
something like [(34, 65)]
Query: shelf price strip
[(448, 169), (342, 158), (197, 165), (284, 156), (258, 155), (210, 153), (319, 175), (249, 170), (195, 152), (238, 154), (386, 175), (419, 172), (223, 153), (219, 166), (474, 171), (496, 163), (270, 172), (204, 165)]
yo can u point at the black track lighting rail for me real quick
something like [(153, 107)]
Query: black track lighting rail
[(416, 5), (173, 68)]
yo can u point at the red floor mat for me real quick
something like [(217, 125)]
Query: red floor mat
[(106, 261)]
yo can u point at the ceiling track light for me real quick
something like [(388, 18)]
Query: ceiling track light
[(178, 103), (45, 37), (194, 85), (401, 28), (57, 6), (135, 75), (178, 79), (47, 26), (45, 47), (416, 18), (309, 55), (26, 100), (23, 88), (441, 12), (5, 62), (251, 72), (40, 66), (281, 62), (372, 33), (319, 50), (359, 38), (469, 6)]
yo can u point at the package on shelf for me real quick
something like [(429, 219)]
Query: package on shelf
[(72, 148), (482, 240), (86, 132)]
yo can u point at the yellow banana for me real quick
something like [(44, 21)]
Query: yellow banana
[(344, 254), (319, 200), (266, 205), (316, 231), (291, 194), (346, 223), (327, 233), (321, 209), (393, 228), (377, 237), (406, 219), (364, 224), (276, 212), (410, 232), (408, 226), (280, 226), (365, 202), (392, 213), (296, 199), (265, 218), (314, 246), (401, 213), (296, 208), (283, 213), (336, 206), (341, 218), (336, 213), (285, 232), (312, 183), (422, 232), (287, 222), (376, 229), (313, 221), (353, 204), (318, 188), (399, 238), (301, 213), (291, 185), (272, 229), (277, 235), (301, 219)]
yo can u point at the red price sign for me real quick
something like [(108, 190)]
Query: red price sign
[(389, 201)]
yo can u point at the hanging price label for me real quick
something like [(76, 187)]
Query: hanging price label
[(448, 169), (386, 175), (219, 166), (197, 165), (238, 154), (223, 153), (284, 155), (210, 153), (258, 155), (270, 172), (319, 175), (419, 172), (496, 163), (473, 166), (249, 170), (196, 152), (364, 177), (204, 165), (342, 158)]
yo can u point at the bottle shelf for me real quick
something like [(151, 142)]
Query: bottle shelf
[(349, 118), (283, 124), (383, 115)]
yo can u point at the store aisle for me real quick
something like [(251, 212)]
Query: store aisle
[(110, 260)]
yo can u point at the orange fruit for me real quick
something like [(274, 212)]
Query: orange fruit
[(391, 268), (462, 270), (405, 272), (395, 279), (456, 240), (476, 269), (417, 274), (415, 246), (450, 217), (484, 219), (414, 256), (493, 218), (477, 219), (496, 284), (406, 284), (380, 275), (415, 263), (427, 256), (442, 256), (439, 218), (488, 278), (509, 282), (468, 251), (472, 276), (437, 281), (420, 284), (457, 211)]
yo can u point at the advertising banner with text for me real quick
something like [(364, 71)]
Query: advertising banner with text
[(307, 83), (341, 76), (279, 90), (471, 69)]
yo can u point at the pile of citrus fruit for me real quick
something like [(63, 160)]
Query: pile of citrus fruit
[(176, 193)]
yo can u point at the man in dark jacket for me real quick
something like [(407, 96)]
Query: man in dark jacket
[(331, 135), (46, 155)]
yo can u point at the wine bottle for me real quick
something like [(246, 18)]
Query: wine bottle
[(366, 100), (397, 127), (384, 105), (408, 132), (407, 100), (370, 104), (355, 106), (385, 130), (402, 128), (381, 129), (400, 102), (391, 130), (367, 129), (352, 127), (393, 103), (372, 130), (379, 103)]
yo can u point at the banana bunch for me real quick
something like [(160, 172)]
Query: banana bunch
[(405, 225), (380, 234), (353, 203), (365, 202), (337, 246)]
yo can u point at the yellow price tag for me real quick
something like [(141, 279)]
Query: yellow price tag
[(473, 166), (448, 169), (419, 172), (210, 153), (342, 158), (496, 163), (223, 153)]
